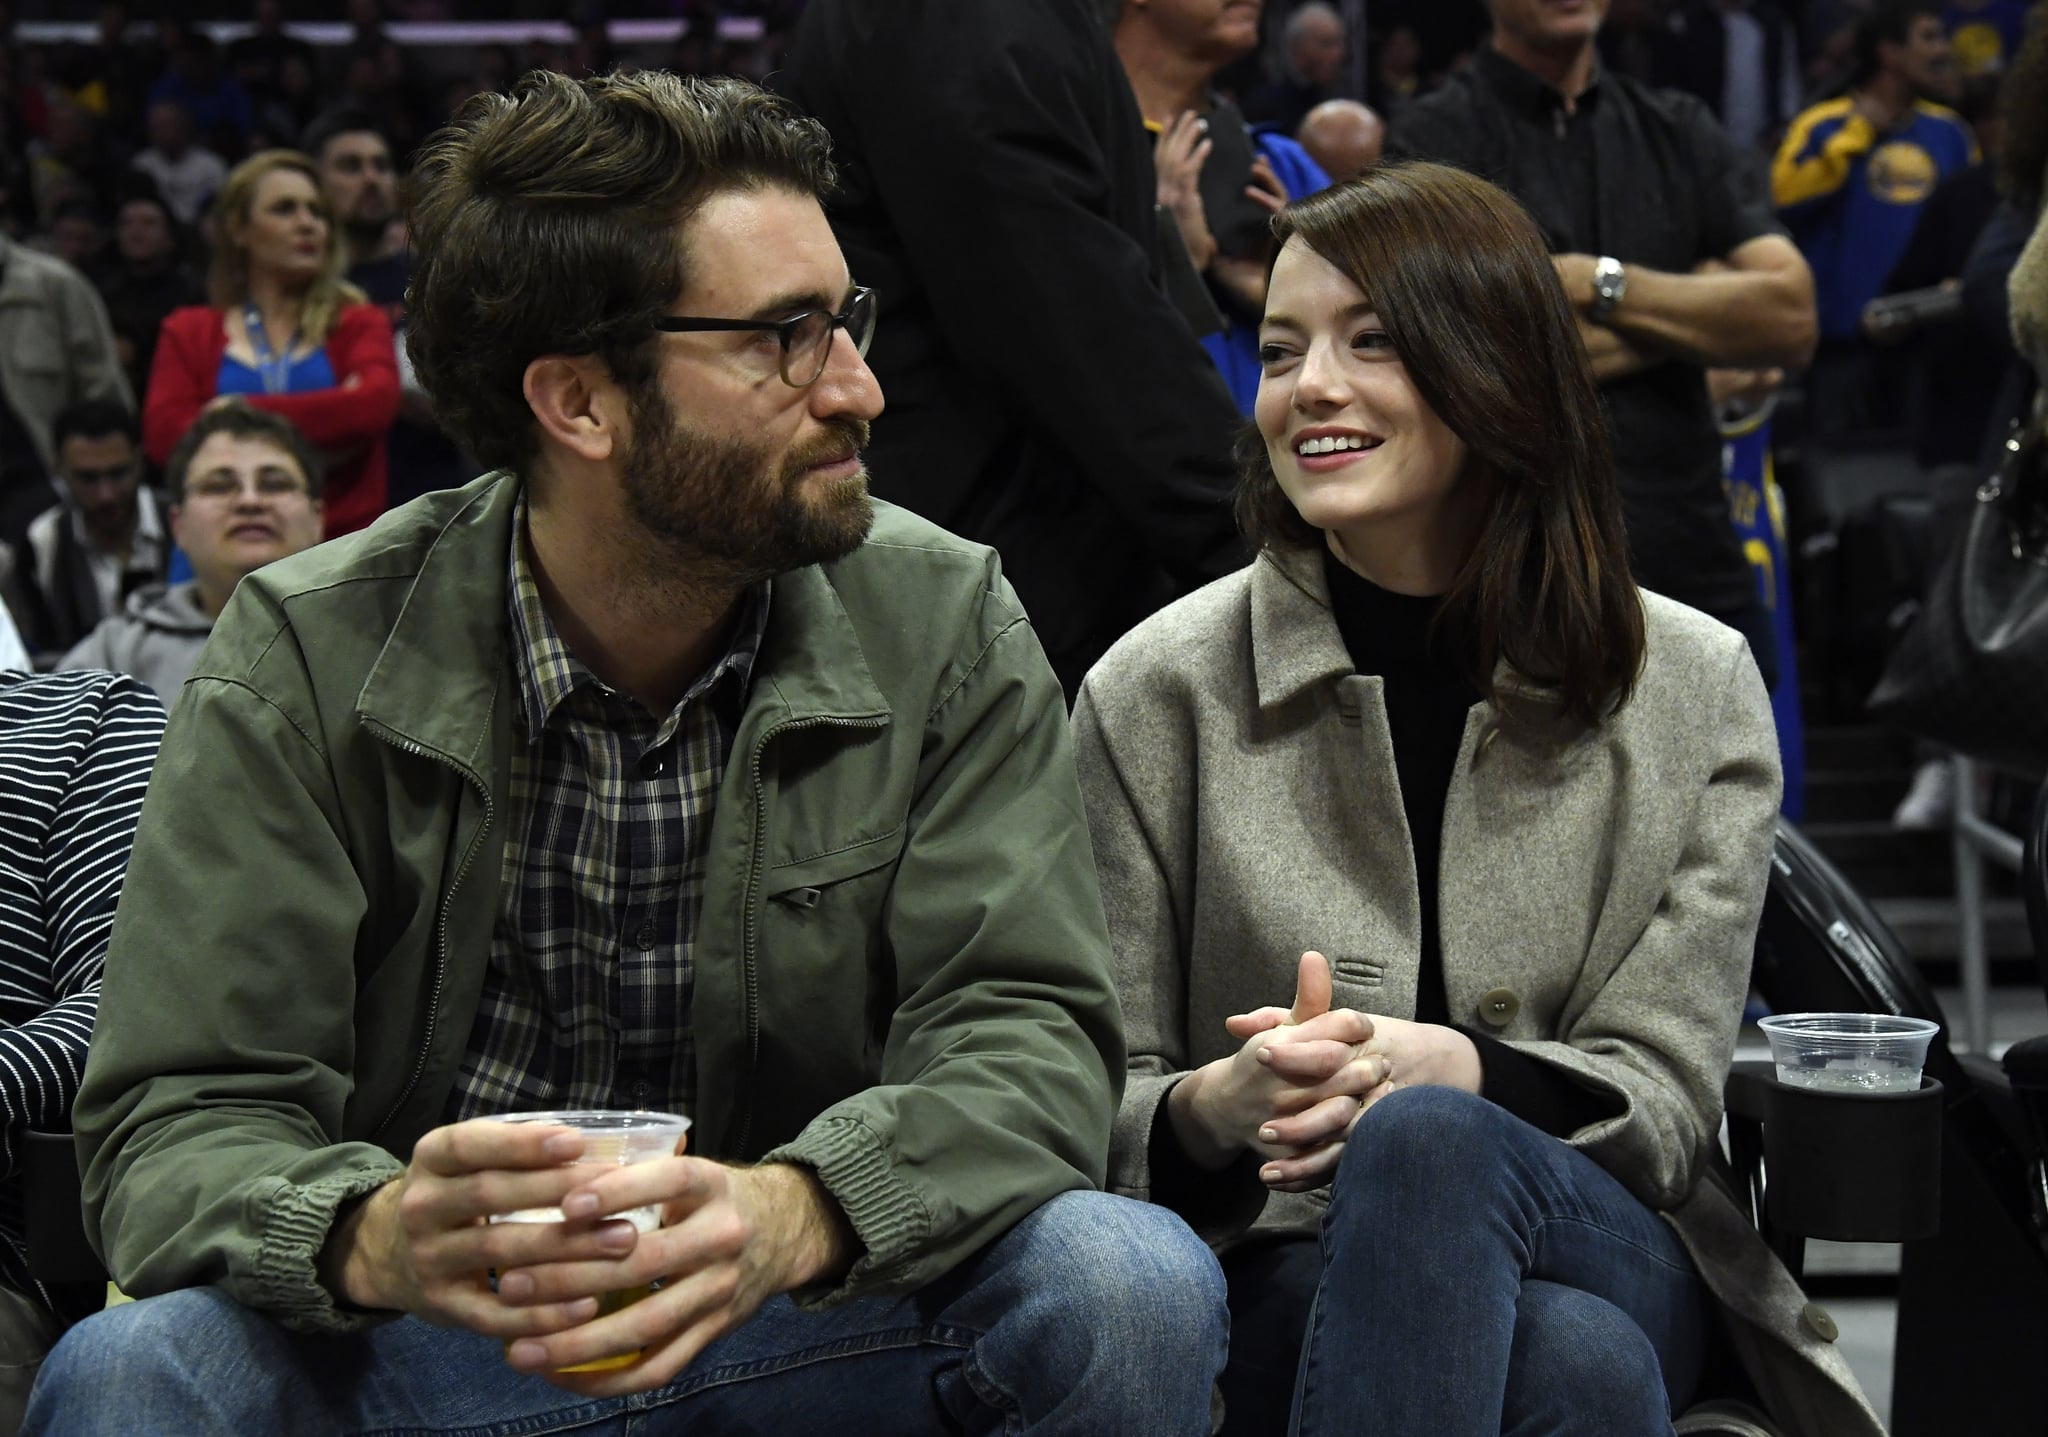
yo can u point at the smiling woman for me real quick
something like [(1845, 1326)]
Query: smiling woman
[(1514, 817)]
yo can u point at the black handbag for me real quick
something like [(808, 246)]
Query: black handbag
[(1972, 672)]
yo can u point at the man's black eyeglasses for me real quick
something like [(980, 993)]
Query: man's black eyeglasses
[(806, 338)]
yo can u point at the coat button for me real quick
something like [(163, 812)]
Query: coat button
[(1815, 1319), (1498, 1008)]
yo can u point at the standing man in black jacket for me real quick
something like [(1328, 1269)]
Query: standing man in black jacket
[(1669, 252), (1045, 396)]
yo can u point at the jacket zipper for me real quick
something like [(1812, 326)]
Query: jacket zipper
[(419, 1066), (749, 976)]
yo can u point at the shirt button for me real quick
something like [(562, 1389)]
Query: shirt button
[(1498, 1008), (654, 767), (642, 1091), (647, 938)]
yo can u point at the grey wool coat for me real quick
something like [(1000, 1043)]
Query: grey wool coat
[(1599, 900)]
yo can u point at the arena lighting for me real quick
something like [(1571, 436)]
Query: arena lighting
[(411, 32)]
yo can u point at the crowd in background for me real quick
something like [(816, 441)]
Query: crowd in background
[(117, 151)]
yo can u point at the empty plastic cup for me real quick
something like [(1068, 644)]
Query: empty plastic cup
[(1849, 1052), (615, 1137)]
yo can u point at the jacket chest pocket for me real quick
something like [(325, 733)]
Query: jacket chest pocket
[(824, 957)]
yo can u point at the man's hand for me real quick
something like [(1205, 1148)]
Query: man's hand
[(423, 1242), (1177, 158), (732, 1238), (1298, 1076)]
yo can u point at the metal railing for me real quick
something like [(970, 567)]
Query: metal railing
[(1973, 839)]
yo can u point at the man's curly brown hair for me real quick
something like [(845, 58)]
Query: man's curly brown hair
[(548, 221)]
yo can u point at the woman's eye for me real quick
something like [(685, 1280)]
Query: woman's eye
[(1272, 354), (1374, 339)]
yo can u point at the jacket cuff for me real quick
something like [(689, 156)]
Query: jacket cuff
[(888, 1218), (285, 1284)]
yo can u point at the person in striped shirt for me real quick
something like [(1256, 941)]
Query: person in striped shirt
[(75, 755)]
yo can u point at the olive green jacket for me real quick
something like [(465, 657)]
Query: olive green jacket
[(902, 973)]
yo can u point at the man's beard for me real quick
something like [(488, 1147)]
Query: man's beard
[(367, 230), (726, 507)]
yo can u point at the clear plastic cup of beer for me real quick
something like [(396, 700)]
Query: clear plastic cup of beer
[(617, 1137)]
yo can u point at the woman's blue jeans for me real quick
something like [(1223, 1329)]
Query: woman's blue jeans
[(1481, 1277), (1092, 1315)]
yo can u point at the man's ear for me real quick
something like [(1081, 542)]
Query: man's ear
[(174, 515), (576, 403)]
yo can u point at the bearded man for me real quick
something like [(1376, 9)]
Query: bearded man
[(659, 769)]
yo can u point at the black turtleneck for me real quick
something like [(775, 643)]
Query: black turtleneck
[(1427, 697)]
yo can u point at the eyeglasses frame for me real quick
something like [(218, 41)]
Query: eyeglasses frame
[(784, 330)]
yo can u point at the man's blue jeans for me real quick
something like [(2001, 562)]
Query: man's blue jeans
[(1481, 1278), (1094, 1315)]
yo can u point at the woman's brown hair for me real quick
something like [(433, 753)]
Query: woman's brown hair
[(1464, 287), (227, 283)]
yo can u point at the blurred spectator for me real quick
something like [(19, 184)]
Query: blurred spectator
[(187, 174), (1045, 395), (75, 753), (1984, 35), (245, 492), (285, 329), (1343, 137), (1396, 71), (356, 173), (104, 540), (1850, 180), (1312, 57), (114, 74), (1219, 180), (78, 236), (56, 348), (257, 60), (220, 108), (360, 181), (146, 281), (285, 110), (70, 161), (1959, 375), (1742, 58), (1637, 190)]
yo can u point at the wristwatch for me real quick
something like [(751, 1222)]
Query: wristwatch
[(1610, 286)]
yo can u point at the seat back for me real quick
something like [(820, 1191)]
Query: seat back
[(1821, 948)]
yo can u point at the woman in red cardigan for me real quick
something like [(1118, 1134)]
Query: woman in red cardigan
[(286, 332)]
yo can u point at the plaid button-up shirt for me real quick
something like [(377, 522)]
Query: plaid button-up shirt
[(586, 1003)]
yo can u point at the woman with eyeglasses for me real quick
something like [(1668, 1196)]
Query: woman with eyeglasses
[(286, 332), (1433, 852)]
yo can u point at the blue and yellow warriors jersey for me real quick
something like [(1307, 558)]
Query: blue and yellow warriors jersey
[(1851, 196), (1985, 37)]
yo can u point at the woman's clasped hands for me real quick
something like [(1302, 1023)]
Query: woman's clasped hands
[(1291, 1093)]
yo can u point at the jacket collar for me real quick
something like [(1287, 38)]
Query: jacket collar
[(1295, 643), (443, 678)]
